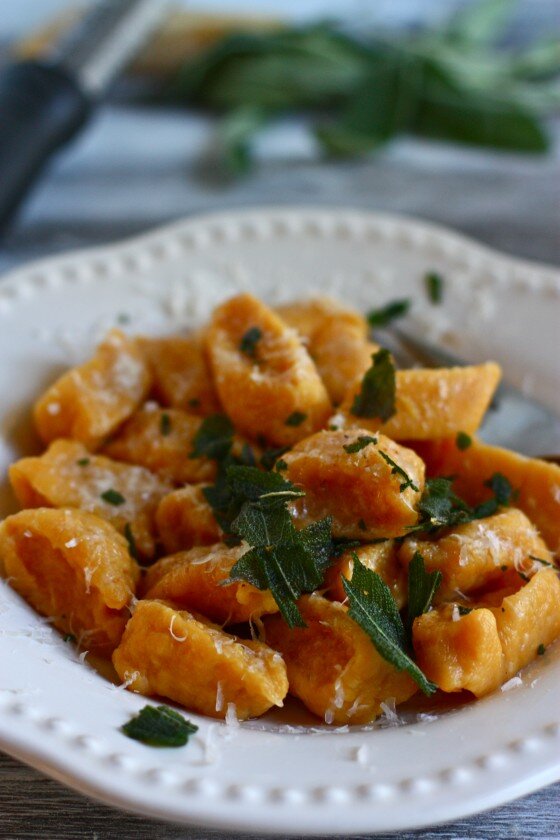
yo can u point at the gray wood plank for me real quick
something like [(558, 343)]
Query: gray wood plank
[(32, 806)]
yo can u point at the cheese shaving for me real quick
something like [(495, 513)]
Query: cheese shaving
[(177, 638), (513, 683)]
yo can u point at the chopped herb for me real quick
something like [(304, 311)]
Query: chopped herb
[(69, 637), (463, 441), (397, 470), (194, 403), (359, 444), (113, 497), (248, 456), (540, 560), (333, 427), (388, 313), (296, 418), (362, 525), (378, 389), (253, 485), (341, 545), (280, 465), (541, 650), (371, 605), (464, 610), (129, 536), (504, 568), (502, 489), (83, 462), (248, 343), (422, 586), (159, 726), (165, 424), (123, 318), (523, 576), (434, 286), (287, 561), (440, 507), (270, 456), (214, 438)]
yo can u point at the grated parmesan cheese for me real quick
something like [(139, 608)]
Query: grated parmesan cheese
[(211, 750), (219, 697), (388, 708), (231, 718), (174, 635), (338, 420), (513, 683), (361, 755), (128, 681)]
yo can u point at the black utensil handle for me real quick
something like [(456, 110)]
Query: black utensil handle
[(41, 108)]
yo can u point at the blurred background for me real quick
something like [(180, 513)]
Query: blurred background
[(439, 109)]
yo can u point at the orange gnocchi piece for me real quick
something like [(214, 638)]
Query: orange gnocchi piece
[(89, 402), (433, 403), (68, 476), (196, 580), (308, 317), (272, 389), (333, 666), (528, 619), (380, 558), (358, 489), (184, 519), (74, 568), (336, 338), (480, 553), (171, 653), (459, 651), (536, 482), (181, 374), (162, 441), (479, 649)]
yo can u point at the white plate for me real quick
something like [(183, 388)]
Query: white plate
[(62, 717)]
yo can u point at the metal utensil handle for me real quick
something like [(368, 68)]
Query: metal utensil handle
[(41, 108)]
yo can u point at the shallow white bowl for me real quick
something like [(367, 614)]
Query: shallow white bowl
[(62, 717)]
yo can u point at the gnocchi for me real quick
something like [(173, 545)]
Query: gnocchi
[(332, 666), (274, 392), (358, 489), (199, 580), (68, 476), (89, 402), (73, 568), (185, 519), (175, 654), (288, 546)]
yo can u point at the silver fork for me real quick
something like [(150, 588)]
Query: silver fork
[(514, 420)]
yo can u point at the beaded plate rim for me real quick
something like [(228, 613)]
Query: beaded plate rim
[(520, 765)]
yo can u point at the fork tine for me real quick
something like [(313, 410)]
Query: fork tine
[(427, 354), (405, 357), (517, 421)]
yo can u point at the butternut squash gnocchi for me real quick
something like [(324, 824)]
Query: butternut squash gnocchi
[(287, 514), (74, 568)]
